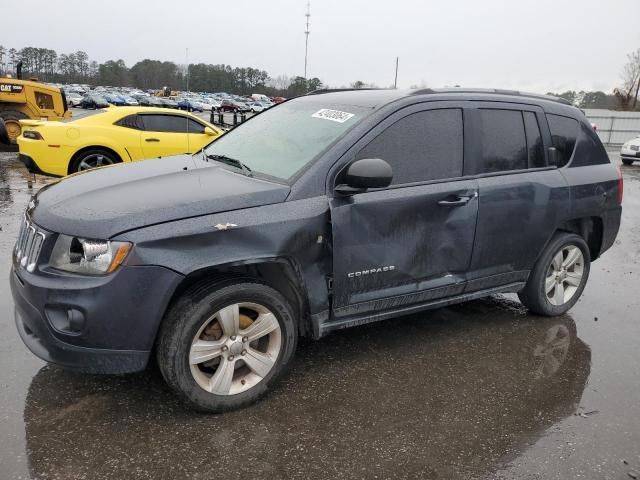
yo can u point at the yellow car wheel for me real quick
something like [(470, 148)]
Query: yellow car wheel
[(12, 124), (93, 158)]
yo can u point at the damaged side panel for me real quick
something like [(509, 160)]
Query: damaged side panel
[(401, 246), (295, 232)]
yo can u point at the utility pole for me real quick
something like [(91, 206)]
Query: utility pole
[(395, 82), (186, 57), (306, 34)]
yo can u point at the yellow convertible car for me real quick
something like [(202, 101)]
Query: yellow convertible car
[(116, 134)]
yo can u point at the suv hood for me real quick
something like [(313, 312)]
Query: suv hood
[(104, 202)]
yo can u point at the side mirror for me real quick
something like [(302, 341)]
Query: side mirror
[(210, 131), (364, 174)]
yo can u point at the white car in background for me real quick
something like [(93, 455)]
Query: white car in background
[(210, 104), (132, 102), (630, 151), (73, 99)]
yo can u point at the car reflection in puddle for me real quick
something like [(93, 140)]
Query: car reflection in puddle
[(457, 391)]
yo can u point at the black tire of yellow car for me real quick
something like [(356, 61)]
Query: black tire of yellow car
[(78, 158), (13, 117)]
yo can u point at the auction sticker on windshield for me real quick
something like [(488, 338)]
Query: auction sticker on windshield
[(333, 115)]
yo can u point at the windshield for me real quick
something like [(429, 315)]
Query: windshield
[(282, 140)]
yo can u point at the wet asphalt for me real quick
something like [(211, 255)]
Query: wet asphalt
[(480, 390)]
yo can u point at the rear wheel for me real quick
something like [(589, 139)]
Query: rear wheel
[(627, 162), (12, 124), (559, 276), (222, 346), (92, 159)]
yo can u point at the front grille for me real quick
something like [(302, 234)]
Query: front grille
[(29, 245)]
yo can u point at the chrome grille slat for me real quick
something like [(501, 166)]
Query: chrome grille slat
[(29, 245), (22, 237)]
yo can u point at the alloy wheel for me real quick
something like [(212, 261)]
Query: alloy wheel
[(564, 275), (93, 161), (235, 348)]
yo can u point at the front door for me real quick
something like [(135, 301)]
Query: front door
[(166, 134), (412, 242)]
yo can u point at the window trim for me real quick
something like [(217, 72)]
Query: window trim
[(526, 136)]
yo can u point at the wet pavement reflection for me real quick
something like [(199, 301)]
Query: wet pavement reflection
[(461, 391), (479, 390)]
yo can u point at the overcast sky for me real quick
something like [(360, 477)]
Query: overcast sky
[(535, 45)]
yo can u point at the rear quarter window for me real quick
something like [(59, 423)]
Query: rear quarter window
[(564, 133)]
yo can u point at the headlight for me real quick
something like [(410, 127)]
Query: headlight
[(81, 255)]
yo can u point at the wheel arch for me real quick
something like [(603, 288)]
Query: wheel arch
[(589, 228), (281, 273), (79, 152)]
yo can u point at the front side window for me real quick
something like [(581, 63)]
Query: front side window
[(504, 146), (283, 140), (420, 147), (171, 124), (564, 131)]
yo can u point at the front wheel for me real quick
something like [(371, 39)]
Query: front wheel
[(222, 346), (558, 277), (627, 162)]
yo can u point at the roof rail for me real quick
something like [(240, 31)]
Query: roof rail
[(498, 91), (332, 90)]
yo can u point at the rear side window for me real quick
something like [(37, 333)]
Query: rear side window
[(564, 131), (504, 146), (131, 121), (171, 124), (422, 146), (535, 149)]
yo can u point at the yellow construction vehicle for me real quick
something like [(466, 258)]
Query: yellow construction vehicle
[(27, 99), (165, 92)]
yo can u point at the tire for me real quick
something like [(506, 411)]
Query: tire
[(87, 158), (4, 136), (194, 313), (627, 162), (12, 124), (554, 286)]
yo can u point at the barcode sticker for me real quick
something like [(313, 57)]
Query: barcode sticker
[(333, 115)]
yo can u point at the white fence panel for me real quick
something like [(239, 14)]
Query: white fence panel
[(615, 128)]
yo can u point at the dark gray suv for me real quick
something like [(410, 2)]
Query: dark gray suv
[(325, 212)]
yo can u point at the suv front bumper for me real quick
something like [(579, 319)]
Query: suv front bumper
[(120, 315)]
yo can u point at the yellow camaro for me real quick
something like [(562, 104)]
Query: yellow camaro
[(116, 134)]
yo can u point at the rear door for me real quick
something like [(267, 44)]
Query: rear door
[(411, 242), (521, 197), (164, 135)]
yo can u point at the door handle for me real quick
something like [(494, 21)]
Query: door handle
[(151, 139), (458, 200)]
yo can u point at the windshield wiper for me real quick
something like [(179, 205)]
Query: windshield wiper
[(231, 161)]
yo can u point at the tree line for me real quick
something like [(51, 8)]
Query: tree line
[(76, 67)]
